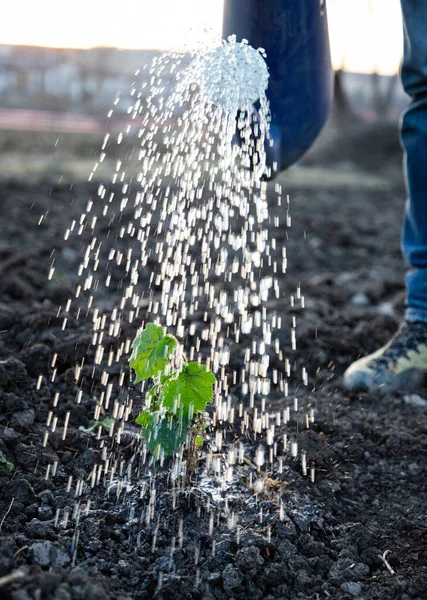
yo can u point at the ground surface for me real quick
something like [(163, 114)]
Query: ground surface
[(369, 499)]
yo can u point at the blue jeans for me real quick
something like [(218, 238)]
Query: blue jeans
[(414, 140)]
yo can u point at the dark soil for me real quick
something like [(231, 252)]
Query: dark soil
[(369, 499)]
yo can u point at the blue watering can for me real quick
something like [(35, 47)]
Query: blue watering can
[(294, 34)]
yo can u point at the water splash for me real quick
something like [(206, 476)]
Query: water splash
[(233, 76), (183, 235)]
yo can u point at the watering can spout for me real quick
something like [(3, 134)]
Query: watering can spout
[(294, 34)]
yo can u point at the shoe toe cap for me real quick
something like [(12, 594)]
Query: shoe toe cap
[(355, 380)]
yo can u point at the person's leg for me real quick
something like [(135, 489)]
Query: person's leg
[(414, 140), (402, 363)]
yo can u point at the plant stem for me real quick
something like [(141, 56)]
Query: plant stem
[(192, 454)]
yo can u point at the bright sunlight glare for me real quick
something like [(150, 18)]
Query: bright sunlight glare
[(365, 35), (160, 24)]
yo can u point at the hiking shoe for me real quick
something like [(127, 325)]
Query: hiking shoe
[(399, 366)]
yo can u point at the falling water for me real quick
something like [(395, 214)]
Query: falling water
[(196, 223)]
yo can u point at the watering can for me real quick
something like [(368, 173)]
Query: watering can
[(294, 34)]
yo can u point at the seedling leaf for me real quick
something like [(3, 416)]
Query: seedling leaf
[(145, 419), (8, 464), (190, 391), (151, 350), (175, 402), (105, 423), (152, 400), (163, 433)]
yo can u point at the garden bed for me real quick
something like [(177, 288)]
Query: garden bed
[(358, 531)]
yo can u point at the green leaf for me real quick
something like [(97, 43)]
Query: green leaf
[(199, 440), (145, 418), (164, 434), (191, 390), (3, 460), (105, 424), (151, 350), (152, 400)]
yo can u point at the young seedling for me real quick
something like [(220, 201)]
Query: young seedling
[(93, 429), (3, 460), (175, 404)]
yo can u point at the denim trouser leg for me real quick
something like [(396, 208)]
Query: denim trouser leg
[(414, 140)]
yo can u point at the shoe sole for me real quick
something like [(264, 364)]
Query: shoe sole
[(405, 382)]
